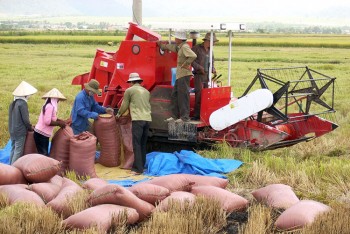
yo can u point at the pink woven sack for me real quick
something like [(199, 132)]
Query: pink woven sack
[(180, 197), (124, 124), (300, 214), (276, 195), (105, 128), (82, 150), (116, 194), (29, 145), (150, 193), (207, 180), (94, 183), (11, 175), (100, 216), (48, 190), (229, 201), (37, 168), (60, 202), (19, 193), (60, 147), (174, 182)]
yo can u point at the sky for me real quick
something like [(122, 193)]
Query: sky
[(336, 12), (257, 10)]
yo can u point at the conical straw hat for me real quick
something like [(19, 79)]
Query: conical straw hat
[(24, 89), (54, 93)]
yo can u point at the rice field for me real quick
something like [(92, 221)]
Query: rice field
[(317, 170)]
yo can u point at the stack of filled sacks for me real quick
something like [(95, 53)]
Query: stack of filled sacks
[(106, 203), (297, 214), (76, 152), (33, 179), (184, 188), (142, 199), (34, 169)]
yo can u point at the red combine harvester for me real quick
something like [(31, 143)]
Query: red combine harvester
[(281, 107)]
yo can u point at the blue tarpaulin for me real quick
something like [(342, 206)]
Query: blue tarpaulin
[(188, 162), (5, 153), (127, 183)]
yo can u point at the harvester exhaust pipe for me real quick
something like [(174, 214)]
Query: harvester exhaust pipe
[(194, 36), (137, 11)]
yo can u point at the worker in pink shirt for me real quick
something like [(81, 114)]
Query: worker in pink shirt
[(48, 120)]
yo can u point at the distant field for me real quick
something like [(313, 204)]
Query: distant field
[(239, 39)]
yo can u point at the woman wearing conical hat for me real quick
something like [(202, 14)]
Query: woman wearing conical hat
[(19, 122), (48, 120)]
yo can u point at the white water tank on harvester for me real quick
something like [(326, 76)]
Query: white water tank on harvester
[(241, 108)]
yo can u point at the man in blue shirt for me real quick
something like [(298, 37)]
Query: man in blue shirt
[(85, 107)]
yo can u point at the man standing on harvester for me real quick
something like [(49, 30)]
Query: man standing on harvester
[(201, 70), (180, 96)]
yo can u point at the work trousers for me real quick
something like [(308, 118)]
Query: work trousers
[(17, 147), (200, 82), (180, 98), (139, 141), (42, 143)]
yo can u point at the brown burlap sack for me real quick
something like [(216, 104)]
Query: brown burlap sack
[(82, 151), (105, 128), (60, 147), (29, 145), (124, 124)]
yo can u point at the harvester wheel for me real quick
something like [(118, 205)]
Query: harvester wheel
[(231, 139)]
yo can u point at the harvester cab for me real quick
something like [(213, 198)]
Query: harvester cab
[(253, 120)]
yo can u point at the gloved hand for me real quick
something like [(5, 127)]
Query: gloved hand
[(110, 110), (118, 115)]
